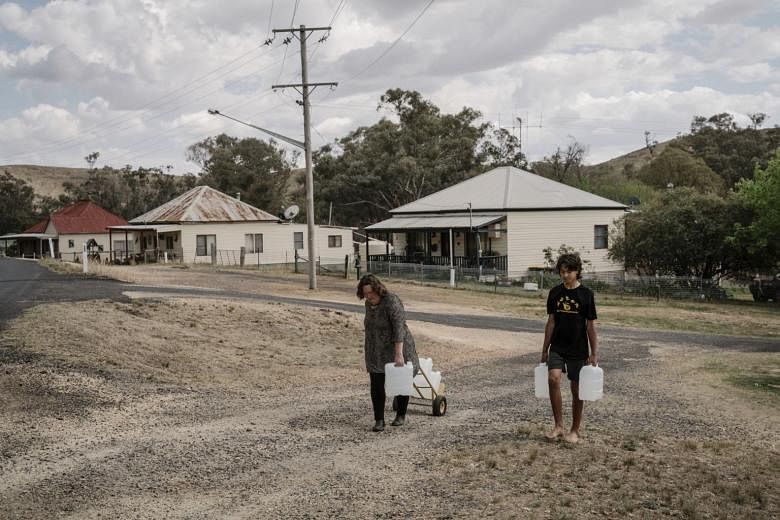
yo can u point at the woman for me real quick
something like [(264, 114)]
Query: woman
[(388, 340)]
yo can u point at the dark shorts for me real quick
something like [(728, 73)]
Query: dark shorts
[(571, 367)]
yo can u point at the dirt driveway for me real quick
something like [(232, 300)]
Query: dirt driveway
[(206, 408)]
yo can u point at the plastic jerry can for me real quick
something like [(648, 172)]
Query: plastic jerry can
[(541, 388), (591, 383), (434, 377), (398, 380)]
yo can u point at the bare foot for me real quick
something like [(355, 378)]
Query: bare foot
[(557, 432), (571, 437)]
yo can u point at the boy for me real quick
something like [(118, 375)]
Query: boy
[(571, 315)]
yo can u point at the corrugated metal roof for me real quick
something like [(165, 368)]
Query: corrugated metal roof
[(507, 188), (203, 204), (160, 228), (436, 222), (40, 227), (12, 236), (82, 217)]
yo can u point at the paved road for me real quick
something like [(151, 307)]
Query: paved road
[(24, 284), (492, 322)]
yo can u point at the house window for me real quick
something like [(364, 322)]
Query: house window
[(71, 244), (203, 244), (334, 240), (298, 239), (253, 243), (600, 237)]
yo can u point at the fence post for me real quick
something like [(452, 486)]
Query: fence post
[(243, 255), (296, 261), (213, 254), (346, 265)]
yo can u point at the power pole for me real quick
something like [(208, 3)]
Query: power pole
[(302, 34)]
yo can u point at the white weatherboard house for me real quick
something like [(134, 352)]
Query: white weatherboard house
[(191, 226), (503, 220)]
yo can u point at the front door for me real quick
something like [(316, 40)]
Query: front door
[(444, 240)]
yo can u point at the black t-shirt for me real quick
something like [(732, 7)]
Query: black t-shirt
[(571, 308)]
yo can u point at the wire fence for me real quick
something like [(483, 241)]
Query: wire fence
[(341, 267), (494, 280), (612, 282)]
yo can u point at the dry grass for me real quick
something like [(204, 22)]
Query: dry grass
[(617, 475), (113, 272), (202, 342), (731, 318), (145, 361), (47, 180)]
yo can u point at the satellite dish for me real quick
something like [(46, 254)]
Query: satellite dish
[(291, 212)]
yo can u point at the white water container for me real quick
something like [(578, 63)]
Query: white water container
[(591, 383), (541, 387), (426, 364), (435, 378), (398, 380)]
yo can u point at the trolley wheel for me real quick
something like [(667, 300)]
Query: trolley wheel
[(395, 403), (439, 405)]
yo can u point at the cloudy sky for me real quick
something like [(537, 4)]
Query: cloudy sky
[(132, 79)]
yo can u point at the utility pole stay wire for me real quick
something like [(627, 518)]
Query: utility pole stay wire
[(394, 43)]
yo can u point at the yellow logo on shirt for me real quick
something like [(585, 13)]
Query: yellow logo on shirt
[(568, 305)]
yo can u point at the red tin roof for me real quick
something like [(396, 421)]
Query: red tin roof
[(40, 227), (81, 217)]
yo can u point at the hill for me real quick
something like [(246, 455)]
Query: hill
[(631, 161), (46, 180)]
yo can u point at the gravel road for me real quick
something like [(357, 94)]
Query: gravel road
[(191, 403)]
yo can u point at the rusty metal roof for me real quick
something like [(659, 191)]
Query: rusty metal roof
[(82, 217), (204, 204)]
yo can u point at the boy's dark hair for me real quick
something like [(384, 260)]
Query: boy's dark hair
[(570, 261), (377, 286)]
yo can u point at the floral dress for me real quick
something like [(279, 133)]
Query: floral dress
[(385, 324)]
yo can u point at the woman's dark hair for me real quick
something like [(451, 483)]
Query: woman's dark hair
[(377, 286), (571, 262)]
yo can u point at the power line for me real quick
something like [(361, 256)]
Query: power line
[(286, 41), (232, 106), (113, 122), (132, 120), (134, 147), (270, 16), (336, 13), (395, 42)]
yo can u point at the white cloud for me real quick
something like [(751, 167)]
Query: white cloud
[(94, 109), (752, 73), (336, 126), (39, 124), (133, 78)]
